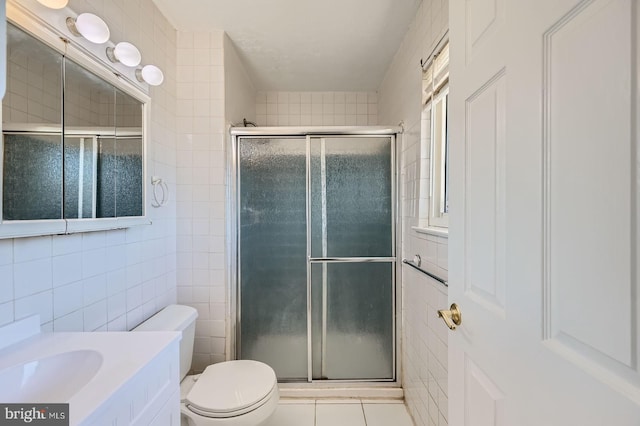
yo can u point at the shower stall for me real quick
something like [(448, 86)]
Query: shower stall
[(313, 260)]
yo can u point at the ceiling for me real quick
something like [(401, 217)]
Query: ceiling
[(304, 45)]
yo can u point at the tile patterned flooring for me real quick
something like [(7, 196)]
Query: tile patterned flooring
[(340, 412)]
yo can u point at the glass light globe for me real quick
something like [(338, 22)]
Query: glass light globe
[(152, 75), (54, 4), (127, 54), (92, 28)]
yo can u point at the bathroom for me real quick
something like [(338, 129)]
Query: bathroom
[(113, 280)]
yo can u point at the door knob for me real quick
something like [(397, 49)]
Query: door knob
[(452, 316)]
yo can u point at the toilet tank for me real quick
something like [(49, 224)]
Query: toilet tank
[(176, 318)]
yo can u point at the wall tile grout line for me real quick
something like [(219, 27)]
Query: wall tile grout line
[(364, 415)]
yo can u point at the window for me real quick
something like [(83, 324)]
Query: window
[(434, 168)]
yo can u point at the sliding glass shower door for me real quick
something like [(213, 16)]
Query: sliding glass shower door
[(316, 256)]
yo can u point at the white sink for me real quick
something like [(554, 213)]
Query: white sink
[(54, 378), (98, 374)]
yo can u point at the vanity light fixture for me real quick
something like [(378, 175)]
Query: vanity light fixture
[(126, 53), (89, 26), (150, 74), (54, 4)]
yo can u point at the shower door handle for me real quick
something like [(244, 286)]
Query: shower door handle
[(452, 316)]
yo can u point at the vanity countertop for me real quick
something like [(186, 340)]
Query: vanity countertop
[(124, 354)]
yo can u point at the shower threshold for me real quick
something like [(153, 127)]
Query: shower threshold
[(370, 391)]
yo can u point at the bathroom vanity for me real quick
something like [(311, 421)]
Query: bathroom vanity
[(107, 378)]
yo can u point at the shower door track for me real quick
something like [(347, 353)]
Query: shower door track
[(234, 249)]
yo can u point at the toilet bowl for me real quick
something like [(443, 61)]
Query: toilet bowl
[(231, 393)]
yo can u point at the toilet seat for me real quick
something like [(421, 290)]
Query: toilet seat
[(231, 388)]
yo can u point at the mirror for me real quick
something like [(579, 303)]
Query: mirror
[(32, 130), (72, 142)]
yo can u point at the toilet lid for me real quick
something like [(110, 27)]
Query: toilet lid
[(231, 386)]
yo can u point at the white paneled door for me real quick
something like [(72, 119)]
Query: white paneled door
[(544, 254)]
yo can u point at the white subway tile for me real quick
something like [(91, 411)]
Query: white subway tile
[(118, 324), (116, 281), (295, 120), (217, 311), (66, 269), (305, 97), (295, 97), (134, 298), (6, 252), (202, 345), (6, 283), (94, 289), (185, 40), (115, 238), (40, 303), (93, 261), (134, 317), (218, 328), (31, 277), (117, 306), (93, 240), (149, 309), (272, 97), (218, 345), (67, 299), (26, 249), (185, 293), (95, 316), (6, 313), (72, 322), (305, 109)]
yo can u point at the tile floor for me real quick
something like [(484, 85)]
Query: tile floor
[(342, 412)]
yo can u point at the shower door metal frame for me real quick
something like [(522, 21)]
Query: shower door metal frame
[(233, 327)]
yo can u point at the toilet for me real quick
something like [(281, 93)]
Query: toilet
[(231, 393)]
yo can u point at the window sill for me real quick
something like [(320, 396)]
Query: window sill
[(432, 230)]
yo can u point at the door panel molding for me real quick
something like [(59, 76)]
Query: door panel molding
[(582, 161), (483, 17), (485, 213), (484, 402)]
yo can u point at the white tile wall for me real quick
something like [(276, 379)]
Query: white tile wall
[(239, 89), (316, 108), (82, 281), (206, 62), (425, 338)]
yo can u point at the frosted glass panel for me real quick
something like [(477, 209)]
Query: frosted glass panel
[(32, 172), (273, 267), (106, 190), (358, 319), (128, 156), (129, 168), (351, 209)]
